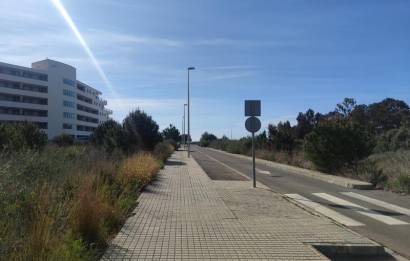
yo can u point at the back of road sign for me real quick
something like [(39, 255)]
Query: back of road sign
[(252, 108), (252, 124)]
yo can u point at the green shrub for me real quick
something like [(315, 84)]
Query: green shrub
[(65, 203), (368, 171), (63, 140), (21, 136), (206, 139), (333, 145), (171, 133), (163, 150), (141, 131), (109, 135), (393, 140), (403, 183)]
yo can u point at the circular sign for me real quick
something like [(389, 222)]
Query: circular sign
[(252, 124)]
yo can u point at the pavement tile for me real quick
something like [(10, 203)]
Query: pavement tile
[(184, 215)]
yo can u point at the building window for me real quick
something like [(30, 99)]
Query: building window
[(23, 73), (86, 118), (83, 137), (68, 93), (68, 115), (84, 99), (87, 109), (21, 98), (21, 111), (85, 128), (67, 126), (23, 86), (69, 104), (69, 82), (40, 125), (81, 87)]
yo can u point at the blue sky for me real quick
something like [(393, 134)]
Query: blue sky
[(293, 55)]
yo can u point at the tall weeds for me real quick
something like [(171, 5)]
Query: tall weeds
[(66, 203)]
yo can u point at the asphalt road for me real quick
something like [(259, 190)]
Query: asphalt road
[(379, 215)]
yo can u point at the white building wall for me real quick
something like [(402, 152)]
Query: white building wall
[(61, 78)]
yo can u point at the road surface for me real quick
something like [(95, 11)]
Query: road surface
[(379, 215)]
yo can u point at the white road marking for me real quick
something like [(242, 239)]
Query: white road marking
[(325, 211), (362, 210), (266, 172), (380, 203)]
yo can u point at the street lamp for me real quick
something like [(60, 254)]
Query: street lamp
[(183, 128), (189, 115)]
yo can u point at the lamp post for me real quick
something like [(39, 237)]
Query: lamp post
[(189, 115), (183, 124)]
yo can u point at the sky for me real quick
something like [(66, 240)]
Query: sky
[(290, 54)]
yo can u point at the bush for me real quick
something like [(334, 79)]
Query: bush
[(334, 145), (206, 139), (163, 150), (368, 171), (141, 131), (21, 136), (282, 137), (403, 183), (393, 140), (63, 140), (66, 203), (109, 135), (139, 168), (171, 133), (395, 166)]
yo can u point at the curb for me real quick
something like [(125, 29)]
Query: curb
[(341, 181)]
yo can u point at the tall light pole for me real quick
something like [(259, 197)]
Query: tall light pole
[(189, 115), (183, 131)]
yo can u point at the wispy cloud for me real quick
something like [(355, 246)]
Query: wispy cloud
[(145, 104), (115, 38)]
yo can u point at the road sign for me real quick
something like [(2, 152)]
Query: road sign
[(252, 124), (252, 108)]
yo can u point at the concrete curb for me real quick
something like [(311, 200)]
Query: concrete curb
[(340, 181)]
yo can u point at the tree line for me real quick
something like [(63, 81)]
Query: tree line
[(335, 140)]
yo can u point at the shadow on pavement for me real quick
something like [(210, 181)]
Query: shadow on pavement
[(174, 163)]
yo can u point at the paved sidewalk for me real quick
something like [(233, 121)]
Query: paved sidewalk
[(185, 215)]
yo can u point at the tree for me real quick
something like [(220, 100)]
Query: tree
[(261, 140), (281, 136), (388, 114), (20, 136), (171, 133), (346, 107), (140, 131), (333, 145), (206, 139), (109, 135), (306, 122)]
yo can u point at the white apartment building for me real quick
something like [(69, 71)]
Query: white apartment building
[(49, 95)]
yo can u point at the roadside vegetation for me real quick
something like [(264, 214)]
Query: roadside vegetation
[(64, 201), (367, 142)]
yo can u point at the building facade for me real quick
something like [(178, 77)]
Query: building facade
[(49, 95)]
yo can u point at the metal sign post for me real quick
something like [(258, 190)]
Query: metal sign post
[(253, 124)]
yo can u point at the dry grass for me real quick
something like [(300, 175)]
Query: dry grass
[(65, 204), (396, 167), (296, 158), (141, 167)]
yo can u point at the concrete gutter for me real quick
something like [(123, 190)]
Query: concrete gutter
[(340, 181)]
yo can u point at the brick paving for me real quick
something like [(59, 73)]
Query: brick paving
[(184, 215)]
